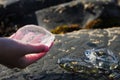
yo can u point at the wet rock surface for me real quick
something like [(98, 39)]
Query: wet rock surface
[(66, 45), (50, 14), (22, 12), (80, 12), (71, 44)]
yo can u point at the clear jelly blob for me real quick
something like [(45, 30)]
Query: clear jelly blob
[(34, 35), (102, 58), (96, 60)]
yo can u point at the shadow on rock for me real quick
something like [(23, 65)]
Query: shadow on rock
[(63, 76)]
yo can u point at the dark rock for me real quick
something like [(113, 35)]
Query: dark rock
[(17, 13), (59, 15), (22, 12), (66, 45), (80, 12)]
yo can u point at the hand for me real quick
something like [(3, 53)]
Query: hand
[(25, 46), (14, 53)]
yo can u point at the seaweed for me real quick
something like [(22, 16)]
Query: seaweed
[(102, 23), (66, 28)]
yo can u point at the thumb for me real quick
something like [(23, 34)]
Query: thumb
[(29, 59)]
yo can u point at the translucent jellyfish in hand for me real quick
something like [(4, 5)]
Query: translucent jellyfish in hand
[(34, 35)]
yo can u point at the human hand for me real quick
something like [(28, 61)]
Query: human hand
[(21, 51)]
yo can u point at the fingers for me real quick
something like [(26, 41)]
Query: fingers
[(19, 35), (24, 61), (29, 59), (32, 57), (12, 35), (34, 49)]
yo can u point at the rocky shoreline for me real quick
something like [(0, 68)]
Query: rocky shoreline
[(71, 44), (66, 45)]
